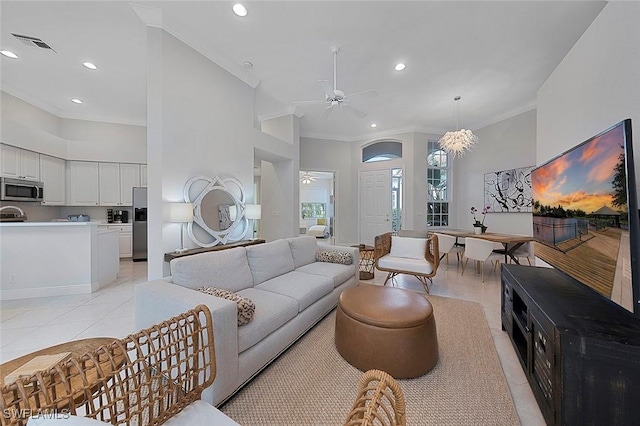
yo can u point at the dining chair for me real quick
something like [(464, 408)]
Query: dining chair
[(525, 251), (447, 244), (480, 251)]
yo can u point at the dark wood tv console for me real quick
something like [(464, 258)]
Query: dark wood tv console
[(580, 351)]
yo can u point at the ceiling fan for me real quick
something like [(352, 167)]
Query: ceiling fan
[(333, 97), (307, 178)]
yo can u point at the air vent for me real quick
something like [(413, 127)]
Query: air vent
[(32, 41)]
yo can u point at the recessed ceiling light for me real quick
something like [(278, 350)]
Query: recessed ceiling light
[(399, 67), (373, 125), (9, 54), (76, 101), (90, 65), (239, 9), (248, 65)]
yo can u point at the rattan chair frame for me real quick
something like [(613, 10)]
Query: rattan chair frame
[(143, 379), (382, 247), (380, 401)]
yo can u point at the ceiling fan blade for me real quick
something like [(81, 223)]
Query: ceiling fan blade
[(326, 113), (368, 93), (326, 88), (355, 111), (308, 102)]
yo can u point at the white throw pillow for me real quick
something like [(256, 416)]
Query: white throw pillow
[(412, 248)]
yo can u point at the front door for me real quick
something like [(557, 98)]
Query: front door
[(375, 204)]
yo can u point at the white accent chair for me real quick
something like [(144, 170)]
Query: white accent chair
[(447, 244), (395, 255), (480, 251)]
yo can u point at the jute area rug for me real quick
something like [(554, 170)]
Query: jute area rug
[(311, 384)]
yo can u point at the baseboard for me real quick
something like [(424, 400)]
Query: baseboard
[(27, 293)]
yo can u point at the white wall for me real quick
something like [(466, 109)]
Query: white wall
[(29, 127), (97, 141), (200, 122), (508, 144), (595, 86), (337, 157), (280, 184)]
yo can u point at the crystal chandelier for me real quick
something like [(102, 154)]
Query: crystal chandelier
[(460, 141)]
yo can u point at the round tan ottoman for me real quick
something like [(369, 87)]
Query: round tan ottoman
[(388, 329)]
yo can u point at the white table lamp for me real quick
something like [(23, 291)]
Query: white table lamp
[(181, 213), (252, 212)]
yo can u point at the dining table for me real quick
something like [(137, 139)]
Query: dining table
[(510, 242)]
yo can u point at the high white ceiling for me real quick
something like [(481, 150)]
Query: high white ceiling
[(496, 55)]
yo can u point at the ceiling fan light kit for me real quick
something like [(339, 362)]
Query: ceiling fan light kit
[(460, 141)]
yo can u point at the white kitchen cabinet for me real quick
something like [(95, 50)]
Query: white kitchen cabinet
[(82, 183), (109, 184), (53, 174), (125, 242), (116, 183), (19, 163), (143, 175), (125, 238), (129, 178)]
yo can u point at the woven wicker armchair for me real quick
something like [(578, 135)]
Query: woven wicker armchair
[(379, 402), (143, 379), (423, 266)]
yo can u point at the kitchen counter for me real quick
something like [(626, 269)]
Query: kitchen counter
[(41, 259)]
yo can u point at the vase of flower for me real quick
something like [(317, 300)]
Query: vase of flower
[(478, 226)]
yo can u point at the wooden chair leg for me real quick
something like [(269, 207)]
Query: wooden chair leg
[(391, 276), (464, 265), (424, 282)]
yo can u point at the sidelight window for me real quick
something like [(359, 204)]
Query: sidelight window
[(438, 175)]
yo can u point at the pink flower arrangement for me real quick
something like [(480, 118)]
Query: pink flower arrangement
[(484, 212)]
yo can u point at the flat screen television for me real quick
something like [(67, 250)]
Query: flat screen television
[(586, 220)]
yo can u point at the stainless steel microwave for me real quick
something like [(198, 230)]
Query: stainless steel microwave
[(21, 190)]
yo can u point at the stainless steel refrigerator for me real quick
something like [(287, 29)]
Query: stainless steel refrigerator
[(139, 224)]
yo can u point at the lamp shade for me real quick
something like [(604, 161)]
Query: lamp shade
[(252, 211), (181, 212)]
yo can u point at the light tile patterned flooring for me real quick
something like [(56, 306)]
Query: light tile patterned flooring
[(31, 324)]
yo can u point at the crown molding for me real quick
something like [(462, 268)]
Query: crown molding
[(151, 16), (154, 17), (509, 114), (103, 119), (378, 134), (33, 100), (279, 113)]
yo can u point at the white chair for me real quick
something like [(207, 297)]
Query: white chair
[(524, 251), (446, 245), (480, 251)]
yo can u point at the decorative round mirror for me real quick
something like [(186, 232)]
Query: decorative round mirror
[(218, 213)]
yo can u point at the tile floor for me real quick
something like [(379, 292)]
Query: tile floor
[(31, 324)]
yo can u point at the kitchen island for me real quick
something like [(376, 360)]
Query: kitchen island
[(41, 259)]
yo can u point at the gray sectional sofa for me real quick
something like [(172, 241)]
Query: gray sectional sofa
[(291, 291)]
